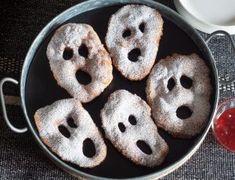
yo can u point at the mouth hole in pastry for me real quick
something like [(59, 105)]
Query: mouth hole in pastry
[(132, 120), (134, 54), (171, 84), (68, 53), (71, 122), (88, 148), (83, 77), (144, 147), (64, 131), (83, 51), (122, 127), (126, 33), (186, 82), (184, 112), (142, 27)]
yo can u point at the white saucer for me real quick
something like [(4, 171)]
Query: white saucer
[(208, 15)]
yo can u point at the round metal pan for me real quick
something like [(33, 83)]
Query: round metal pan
[(38, 88)]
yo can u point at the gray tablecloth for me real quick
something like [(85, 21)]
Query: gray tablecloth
[(20, 157)]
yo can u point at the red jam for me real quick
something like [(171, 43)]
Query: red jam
[(224, 129)]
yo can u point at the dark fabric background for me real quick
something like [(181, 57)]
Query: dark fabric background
[(21, 158)]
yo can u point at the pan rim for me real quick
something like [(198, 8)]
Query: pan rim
[(91, 5)]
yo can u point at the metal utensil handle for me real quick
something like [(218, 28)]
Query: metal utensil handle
[(233, 46), (17, 130)]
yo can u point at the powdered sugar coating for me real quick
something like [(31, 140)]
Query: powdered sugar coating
[(164, 102), (130, 17), (49, 118), (121, 104), (98, 64)]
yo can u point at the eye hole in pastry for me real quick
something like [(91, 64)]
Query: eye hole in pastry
[(186, 82), (126, 33), (83, 77), (132, 120), (144, 147), (121, 127), (71, 122), (142, 27), (68, 53), (184, 112), (88, 148), (64, 131), (171, 84), (134, 54), (83, 51)]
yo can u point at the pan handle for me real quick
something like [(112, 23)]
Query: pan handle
[(233, 46), (2, 82)]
